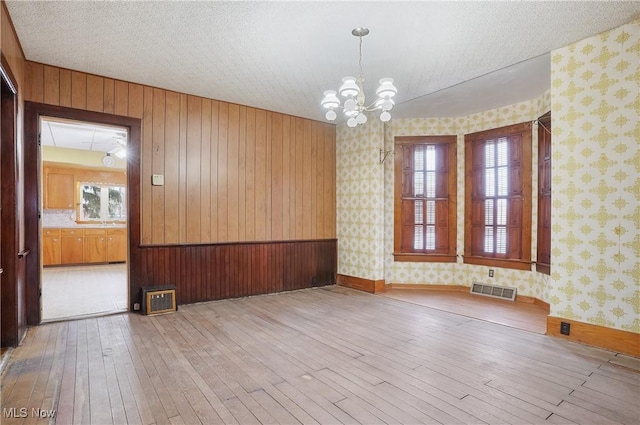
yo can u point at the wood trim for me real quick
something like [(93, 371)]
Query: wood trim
[(498, 262), (12, 215), (533, 300), (599, 336), (5, 69), (361, 284), (171, 245), (423, 258)]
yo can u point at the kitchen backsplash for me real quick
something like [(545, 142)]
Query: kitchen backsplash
[(59, 218)]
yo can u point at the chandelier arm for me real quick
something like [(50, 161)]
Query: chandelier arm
[(371, 107)]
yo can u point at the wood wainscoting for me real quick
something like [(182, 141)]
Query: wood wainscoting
[(216, 271), (598, 336)]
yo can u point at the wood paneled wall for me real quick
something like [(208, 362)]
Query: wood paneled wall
[(212, 272), (232, 172), (11, 48)]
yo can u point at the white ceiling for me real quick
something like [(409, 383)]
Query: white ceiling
[(447, 58), (81, 135)]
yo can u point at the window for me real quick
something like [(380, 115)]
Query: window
[(498, 197), (102, 202), (425, 199), (543, 260)]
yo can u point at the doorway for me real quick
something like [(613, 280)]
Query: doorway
[(84, 218), (35, 201)]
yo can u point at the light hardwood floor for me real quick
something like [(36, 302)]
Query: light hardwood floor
[(324, 355), (521, 315)]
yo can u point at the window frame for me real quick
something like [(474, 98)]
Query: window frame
[(103, 187), (524, 171), (449, 253), (543, 246)]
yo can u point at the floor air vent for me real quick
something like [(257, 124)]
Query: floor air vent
[(158, 300), (494, 291)]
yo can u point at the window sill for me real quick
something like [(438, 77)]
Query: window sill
[(498, 262), (412, 257)]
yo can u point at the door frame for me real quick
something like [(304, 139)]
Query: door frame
[(33, 196), (13, 252)]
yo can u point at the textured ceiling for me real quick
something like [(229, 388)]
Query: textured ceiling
[(281, 56), (80, 135)]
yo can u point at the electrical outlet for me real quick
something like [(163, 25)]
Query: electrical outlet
[(136, 306), (565, 328), (490, 272)]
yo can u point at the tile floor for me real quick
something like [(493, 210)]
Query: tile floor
[(80, 291)]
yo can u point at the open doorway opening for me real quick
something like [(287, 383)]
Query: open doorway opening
[(84, 219)]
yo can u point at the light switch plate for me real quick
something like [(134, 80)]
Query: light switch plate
[(157, 180)]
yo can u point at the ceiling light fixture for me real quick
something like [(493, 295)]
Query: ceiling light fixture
[(353, 91)]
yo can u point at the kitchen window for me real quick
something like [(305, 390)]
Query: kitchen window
[(102, 202)]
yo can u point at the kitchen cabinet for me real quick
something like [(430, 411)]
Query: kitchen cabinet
[(51, 247), (84, 246), (116, 245), (60, 191), (95, 246), (71, 246)]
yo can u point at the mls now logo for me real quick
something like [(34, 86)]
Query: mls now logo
[(23, 412), (14, 412)]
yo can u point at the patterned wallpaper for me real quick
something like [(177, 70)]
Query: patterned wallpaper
[(365, 201), (528, 283), (360, 200), (596, 185), (595, 212)]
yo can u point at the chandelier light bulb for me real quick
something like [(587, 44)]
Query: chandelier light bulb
[(350, 105), (351, 112), (351, 122), (361, 118), (349, 87), (385, 116), (386, 89), (330, 100), (331, 115)]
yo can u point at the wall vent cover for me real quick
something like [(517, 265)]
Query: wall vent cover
[(158, 300), (494, 291)]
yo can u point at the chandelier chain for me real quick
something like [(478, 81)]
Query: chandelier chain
[(360, 59)]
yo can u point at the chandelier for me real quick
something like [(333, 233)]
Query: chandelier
[(352, 90)]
